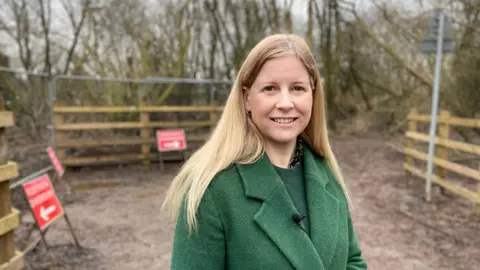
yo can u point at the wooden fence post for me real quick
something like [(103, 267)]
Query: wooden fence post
[(213, 115), (478, 192), (442, 151), (145, 134), (59, 135), (9, 217), (412, 127)]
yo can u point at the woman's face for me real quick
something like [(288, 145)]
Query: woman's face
[(280, 99)]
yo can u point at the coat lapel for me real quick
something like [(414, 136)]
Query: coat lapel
[(323, 207), (274, 217)]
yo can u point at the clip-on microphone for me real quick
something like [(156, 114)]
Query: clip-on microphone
[(297, 219)]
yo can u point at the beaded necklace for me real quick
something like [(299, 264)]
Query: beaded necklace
[(297, 156)]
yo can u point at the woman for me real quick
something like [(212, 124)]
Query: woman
[(265, 191)]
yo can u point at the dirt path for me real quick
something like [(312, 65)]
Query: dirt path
[(396, 229), (122, 227)]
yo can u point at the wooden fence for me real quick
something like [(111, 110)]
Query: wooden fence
[(10, 258), (146, 139), (443, 143)]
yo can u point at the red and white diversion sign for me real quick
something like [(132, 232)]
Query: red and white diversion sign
[(56, 164), (43, 201), (171, 140)]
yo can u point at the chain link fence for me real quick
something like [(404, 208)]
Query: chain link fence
[(31, 96)]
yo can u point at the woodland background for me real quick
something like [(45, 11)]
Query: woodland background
[(367, 52)]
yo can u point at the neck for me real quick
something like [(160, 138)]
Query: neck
[(280, 154)]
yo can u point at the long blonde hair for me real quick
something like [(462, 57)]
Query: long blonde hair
[(235, 139)]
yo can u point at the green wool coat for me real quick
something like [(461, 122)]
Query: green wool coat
[(245, 222)]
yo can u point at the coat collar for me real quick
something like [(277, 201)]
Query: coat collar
[(260, 178), (262, 182)]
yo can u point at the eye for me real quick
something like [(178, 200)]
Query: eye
[(268, 88), (298, 88)]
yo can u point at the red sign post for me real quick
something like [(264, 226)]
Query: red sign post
[(43, 201), (45, 205), (55, 162), (58, 168), (171, 140)]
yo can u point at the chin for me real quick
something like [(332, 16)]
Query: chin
[(283, 139)]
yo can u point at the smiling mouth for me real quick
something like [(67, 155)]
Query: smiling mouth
[(284, 120)]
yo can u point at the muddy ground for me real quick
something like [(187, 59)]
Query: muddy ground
[(117, 218)]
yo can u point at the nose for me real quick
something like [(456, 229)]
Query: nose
[(285, 100)]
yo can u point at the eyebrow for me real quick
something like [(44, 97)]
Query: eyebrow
[(295, 82), (301, 82)]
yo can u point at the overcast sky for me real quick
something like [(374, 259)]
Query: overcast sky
[(300, 6), (299, 9)]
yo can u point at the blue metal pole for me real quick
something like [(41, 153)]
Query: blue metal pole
[(433, 123), (52, 85)]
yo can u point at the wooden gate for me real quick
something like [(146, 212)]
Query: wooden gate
[(145, 140), (444, 144)]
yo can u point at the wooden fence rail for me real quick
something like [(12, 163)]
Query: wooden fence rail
[(146, 139), (443, 144), (10, 258)]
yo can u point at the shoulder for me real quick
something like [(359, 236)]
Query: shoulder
[(225, 183), (225, 176), (226, 192)]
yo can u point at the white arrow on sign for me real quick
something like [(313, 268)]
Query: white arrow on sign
[(44, 212), (175, 144)]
